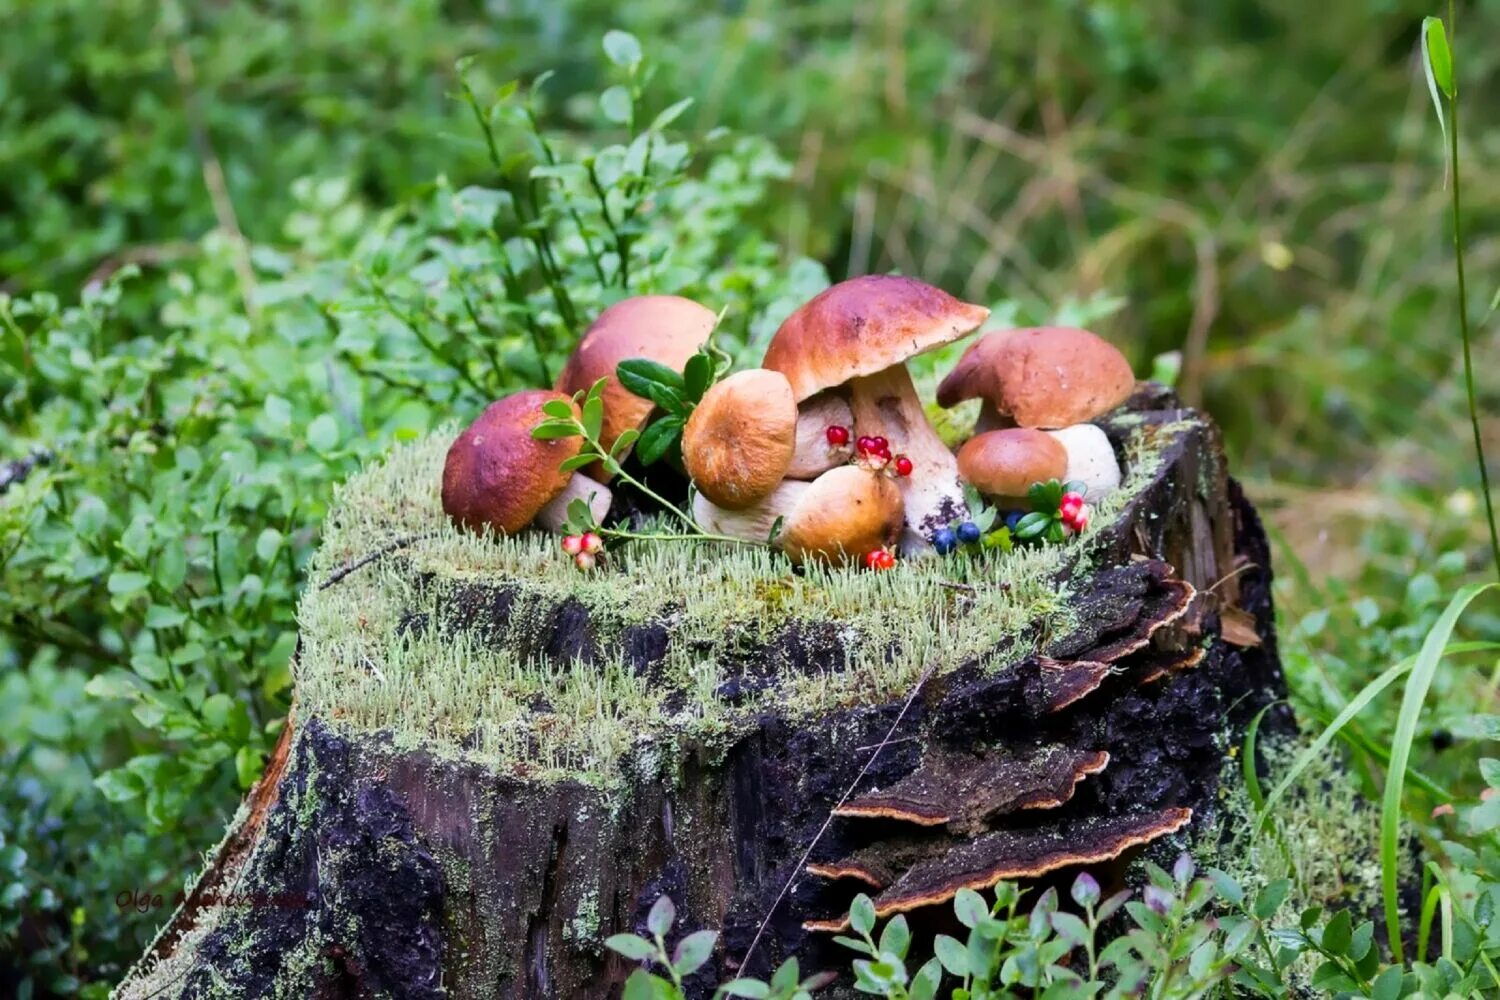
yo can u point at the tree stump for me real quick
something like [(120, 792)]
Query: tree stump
[(492, 766)]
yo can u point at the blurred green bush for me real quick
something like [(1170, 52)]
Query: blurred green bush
[(1248, 183)]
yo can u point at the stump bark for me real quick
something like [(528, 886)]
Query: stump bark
[(361, 866)]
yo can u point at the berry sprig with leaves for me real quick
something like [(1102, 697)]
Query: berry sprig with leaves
[(561, 423), (1057, 509), (675, 394)]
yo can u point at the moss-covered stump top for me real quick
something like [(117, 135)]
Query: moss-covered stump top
[(499, 651)]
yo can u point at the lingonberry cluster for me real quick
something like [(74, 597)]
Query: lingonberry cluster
[(584, 549), (871, 452), (880, 559), (1073, 512)]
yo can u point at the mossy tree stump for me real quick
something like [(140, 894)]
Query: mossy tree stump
[(495, 762)]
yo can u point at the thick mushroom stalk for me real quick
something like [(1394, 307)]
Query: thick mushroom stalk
[(814, 454), (554, 513), (753, 523), (886, 404)]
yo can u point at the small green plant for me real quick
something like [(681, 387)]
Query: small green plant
[(689, 955), (676, 394), (1049, 519)]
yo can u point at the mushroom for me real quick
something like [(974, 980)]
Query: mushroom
[(859, 334), (497, 475), (667, 329), (739, 441), (838, 518), (1091, 460), (1046, 377), (815, 454), (1004, 464)]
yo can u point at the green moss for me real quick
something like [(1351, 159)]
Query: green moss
[(368, 664)]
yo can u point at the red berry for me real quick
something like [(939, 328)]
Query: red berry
[(573, 544), (884, 559), (872, 559), (879, 444), (584, 560), (837, 436), (864, 444), (903, 465), (592, 543), (884, 453)]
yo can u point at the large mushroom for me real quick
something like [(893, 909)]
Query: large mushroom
[(1047, 377), (498, 476), (667, 329), (839, 518), (739, 441), (858, 335)]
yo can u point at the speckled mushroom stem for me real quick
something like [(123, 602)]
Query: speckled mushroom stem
[(886, 404), (580, 487), (754, 523)]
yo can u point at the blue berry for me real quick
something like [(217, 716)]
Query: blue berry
[(1013, 518), (944, 541), (968, 532)]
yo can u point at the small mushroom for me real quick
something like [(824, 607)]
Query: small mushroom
[(497, 475), (859, 334), (838, 518), (1091, 460), (1004, 464), (739, 441), (667, 329), (1046, 377), (815, 454)]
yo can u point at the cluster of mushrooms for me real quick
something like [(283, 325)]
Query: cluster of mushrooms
[(758, 446)]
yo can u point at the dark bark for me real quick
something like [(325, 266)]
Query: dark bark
[(405, 873)]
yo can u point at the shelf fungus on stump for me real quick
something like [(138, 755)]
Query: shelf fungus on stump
[(494, 764)]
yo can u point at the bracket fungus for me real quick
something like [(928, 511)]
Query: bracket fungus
[(857, 337), (497, 475), (739, 441), (1046, 377), (667, 329)]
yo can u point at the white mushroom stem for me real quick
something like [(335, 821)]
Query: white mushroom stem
[(1091, 460), (554, 514), (991, 419), (814, 455), (754, 523), (886, 405)]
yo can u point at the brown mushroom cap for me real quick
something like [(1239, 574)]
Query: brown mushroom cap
[(1042, 377), (497, 474), (739, 441), (1005, 463), (667, 329), (842, 515), (863, 326)]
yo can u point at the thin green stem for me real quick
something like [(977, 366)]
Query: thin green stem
[(1463, 307), (644, 536)]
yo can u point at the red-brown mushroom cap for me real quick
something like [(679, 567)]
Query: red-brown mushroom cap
[(667, 329), (1005, 463), (863, 326), (497, 474), (1042, 377), (739, 441)]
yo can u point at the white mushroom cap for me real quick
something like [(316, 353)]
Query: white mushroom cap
[(1091, 460)]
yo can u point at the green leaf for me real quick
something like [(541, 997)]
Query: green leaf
[(1434, 36), (862, 915), (216, 710), (970, 908), (1387, 985), (1489, 769), (635, 948), (558, 409), (693, 951), (1439, 56), (247, 766), (577, 462), (1033, 525), (896, 937), (622, 48), (161, 616), (119, 785), (659, 920), (636, 374), (640, 986), (593, 417), (552, 430), (751, 989), (671, 114), (1417, 684), (616, 106), (623, 443), (268, 544), (1337, 934), (658, 439), (952, 953), (323, 433), (1271, 898), (124, 582), (697, 375)]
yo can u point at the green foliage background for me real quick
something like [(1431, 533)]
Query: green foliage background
[(244, 246)]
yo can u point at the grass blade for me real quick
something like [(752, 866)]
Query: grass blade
[(1434, 647), (1355, 706)]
